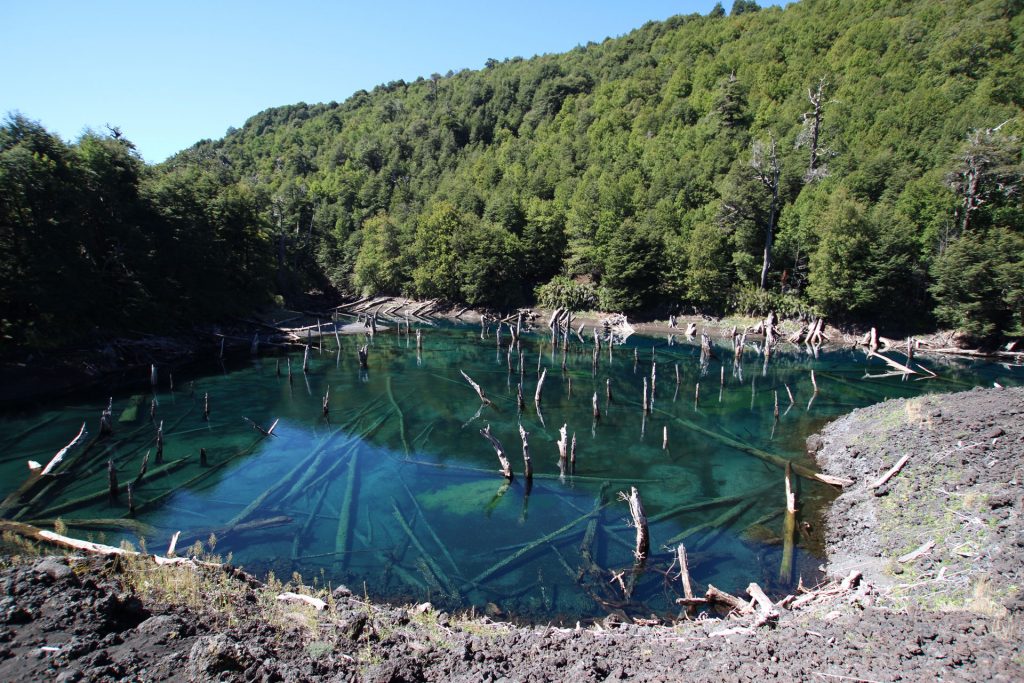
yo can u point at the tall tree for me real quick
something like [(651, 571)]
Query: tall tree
[(988, 166), (764, 161)]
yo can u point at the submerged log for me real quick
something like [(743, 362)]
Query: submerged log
[(112, 479), (597, 408), (206, 406), (506, 467), (344, 534), (540, 386), (542, 541), (160, 443), (428, 558)]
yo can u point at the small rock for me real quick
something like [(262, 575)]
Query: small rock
[(161, 625), (814, 443), (994, 433), (213, 655), (57, 571), (69, 676), (341, 592)]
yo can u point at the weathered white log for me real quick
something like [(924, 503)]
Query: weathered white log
[(893, 471), (766, 611), (527, 464), (715, 595), (684, 571), (298, 599), (563, 444), (540, 386), (636, 511), (506, 467), (173, 544), (55, 460), (476, 387)]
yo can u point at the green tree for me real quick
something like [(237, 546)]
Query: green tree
[(380, 267), (979, 284)]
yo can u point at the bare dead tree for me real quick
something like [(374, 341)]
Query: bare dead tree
[(764, 160), (988, 165), (811, 133)]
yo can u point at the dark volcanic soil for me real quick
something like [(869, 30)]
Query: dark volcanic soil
[(949, 614)]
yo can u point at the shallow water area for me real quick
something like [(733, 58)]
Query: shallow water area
[(396, 494)]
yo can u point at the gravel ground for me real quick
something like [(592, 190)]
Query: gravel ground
[(950, 613)]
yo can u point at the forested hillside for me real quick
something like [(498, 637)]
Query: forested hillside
[(861, 159)]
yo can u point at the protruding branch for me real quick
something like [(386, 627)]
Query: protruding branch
[(476, 388), (506, 467)]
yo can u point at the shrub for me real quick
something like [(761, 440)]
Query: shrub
[(752, 301), (564, 292)]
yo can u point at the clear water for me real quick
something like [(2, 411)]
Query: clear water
[(397, 494)]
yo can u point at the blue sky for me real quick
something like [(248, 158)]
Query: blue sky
[(171, 73)]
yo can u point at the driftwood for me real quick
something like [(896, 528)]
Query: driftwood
[(714, 595), (563, 443), (540, 385), (923, 549), (527, 465), (476, 387), (684, 572), (636, 511), (788, 531), (265, 432), (766, 611), (56, 459), (893, 471), (506, 466)]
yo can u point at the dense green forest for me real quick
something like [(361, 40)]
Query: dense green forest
[(857, 159)]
